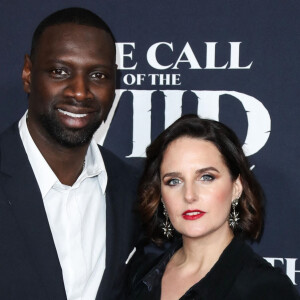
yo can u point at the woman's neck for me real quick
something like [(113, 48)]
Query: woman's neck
[(200, 254)]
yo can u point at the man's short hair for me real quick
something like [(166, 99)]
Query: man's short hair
[(75, 15)]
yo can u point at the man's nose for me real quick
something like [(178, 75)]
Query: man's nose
[(79, 88)]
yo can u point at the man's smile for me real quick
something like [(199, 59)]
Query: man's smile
[(76, 117), (73, 115)]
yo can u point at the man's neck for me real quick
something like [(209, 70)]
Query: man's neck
[(67, 165), (66, 162)]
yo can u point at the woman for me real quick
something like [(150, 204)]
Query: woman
[(198, 192)]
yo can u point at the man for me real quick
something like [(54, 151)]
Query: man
[(67, 224)]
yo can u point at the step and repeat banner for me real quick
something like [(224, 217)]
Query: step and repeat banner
[(233, 61)]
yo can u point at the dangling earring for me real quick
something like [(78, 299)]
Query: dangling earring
[(167, 226), (234, 215)]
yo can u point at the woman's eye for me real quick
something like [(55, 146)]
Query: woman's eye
[(207, 177), (173, 181)]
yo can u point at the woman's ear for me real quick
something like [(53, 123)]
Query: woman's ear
[(237, 188)]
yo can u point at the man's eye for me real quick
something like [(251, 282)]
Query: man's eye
[(173, 181), (58, 72), (98, 75), (207, 177)]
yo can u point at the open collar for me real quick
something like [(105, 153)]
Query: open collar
[(223, 273)]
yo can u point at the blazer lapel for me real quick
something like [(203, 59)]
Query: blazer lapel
[(116, 229), (113, 243), (27, 206)]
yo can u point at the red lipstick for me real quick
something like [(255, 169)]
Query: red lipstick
[(193, 214)]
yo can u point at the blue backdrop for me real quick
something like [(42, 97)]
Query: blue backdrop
[(237, 62)]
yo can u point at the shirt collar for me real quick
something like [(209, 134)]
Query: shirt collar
[(44, 175), (46, 178), (94, 166)]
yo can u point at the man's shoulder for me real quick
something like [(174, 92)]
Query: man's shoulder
[(10, 133), (11, 147), (115, 165)]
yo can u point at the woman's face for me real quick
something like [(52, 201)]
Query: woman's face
[(197, 188)]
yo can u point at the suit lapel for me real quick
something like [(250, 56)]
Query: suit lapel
[(113, 226), (27, 206), (122, 226)]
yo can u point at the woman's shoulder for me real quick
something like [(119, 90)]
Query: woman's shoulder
[(147, 266), (147, 256), (258, 279)]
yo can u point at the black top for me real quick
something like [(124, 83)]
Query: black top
[(238, 274)]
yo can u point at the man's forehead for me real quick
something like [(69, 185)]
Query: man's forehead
[(70, 36), (73, 30)]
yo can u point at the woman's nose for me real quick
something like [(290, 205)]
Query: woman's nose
[(190, 193)]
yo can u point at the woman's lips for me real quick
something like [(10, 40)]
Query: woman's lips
[(193, 214)]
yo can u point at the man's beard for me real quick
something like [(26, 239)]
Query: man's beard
[(68, 137)]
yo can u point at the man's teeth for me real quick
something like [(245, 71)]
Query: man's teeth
[(72, 114), (193, 213)]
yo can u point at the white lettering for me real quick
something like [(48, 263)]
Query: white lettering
[(272, 260), (151, 56), (191, 59), (129, 79), (176, 79), (141, 122), (165, 79), (173, 104), (101, 133), (290, 266), (291, 269), (153, 78), (259, 121), (235, 56), (211, 56), (120, 55), (187, 52), (140, 78)]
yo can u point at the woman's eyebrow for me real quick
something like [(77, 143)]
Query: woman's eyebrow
[(203, 170), (199, 171), (171, 174)]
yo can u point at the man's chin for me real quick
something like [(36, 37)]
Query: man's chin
[(73, 142), (70, 137)]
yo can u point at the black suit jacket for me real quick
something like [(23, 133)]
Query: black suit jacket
[(239, 274), (29, 265)]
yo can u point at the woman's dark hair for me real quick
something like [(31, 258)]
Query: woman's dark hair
[(250, 208)]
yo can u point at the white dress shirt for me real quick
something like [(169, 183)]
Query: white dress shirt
[(77, 217)]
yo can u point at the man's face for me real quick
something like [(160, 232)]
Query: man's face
[(70, 82)]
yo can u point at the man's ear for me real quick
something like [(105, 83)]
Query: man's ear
[(237, 188), (26, 74)]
